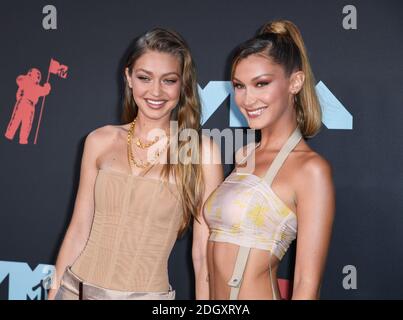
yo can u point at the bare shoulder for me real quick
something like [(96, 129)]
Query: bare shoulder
[(314, 167), (98, 139), (313, 183)]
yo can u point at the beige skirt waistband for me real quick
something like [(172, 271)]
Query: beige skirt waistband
[(87, 291)]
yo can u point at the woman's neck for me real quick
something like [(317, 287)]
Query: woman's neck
[(144, 126), (274, 137)]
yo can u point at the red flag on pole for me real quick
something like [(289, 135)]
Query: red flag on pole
[(56, 68)]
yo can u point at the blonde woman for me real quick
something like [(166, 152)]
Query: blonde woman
[(288, 192), (133, 198)]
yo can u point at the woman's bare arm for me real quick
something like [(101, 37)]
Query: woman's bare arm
[(315, 211), (80, 225), (213, 176)]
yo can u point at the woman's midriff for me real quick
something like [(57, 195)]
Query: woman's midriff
[(256, 283)]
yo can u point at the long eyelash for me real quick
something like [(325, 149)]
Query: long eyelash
[(171, 80), (263, 83), (237, 85)]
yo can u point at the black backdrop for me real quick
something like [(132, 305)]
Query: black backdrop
[(362, 67)]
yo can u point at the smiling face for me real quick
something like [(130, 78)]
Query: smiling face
[(155, 81), (263, 92)]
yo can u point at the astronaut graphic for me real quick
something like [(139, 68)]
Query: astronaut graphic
[(28, 93)]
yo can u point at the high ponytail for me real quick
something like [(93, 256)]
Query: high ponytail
[(282, 42)]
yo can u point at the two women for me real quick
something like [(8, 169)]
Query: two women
[(120, 236)]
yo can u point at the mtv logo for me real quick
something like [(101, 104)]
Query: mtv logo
[(25, 283), (334, 113)]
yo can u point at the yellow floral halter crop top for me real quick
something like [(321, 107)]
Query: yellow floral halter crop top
[(244, 210)]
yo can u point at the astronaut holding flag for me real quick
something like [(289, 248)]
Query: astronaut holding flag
[(28, 93)]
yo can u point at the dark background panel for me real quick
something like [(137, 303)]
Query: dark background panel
[(361, 67)]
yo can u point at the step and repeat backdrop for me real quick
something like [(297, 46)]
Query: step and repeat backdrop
[(78, 48)]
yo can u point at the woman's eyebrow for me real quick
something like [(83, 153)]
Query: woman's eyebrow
[(150, 73)]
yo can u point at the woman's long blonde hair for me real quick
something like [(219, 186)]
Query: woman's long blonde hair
[(189, 177), (282, 42)]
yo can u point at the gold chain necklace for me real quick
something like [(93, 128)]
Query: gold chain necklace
[(130, 156), (145, 145)]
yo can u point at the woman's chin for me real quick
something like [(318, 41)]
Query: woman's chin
[(256, 124), (156, 114)]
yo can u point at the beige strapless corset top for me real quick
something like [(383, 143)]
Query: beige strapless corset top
[(135, 226)]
